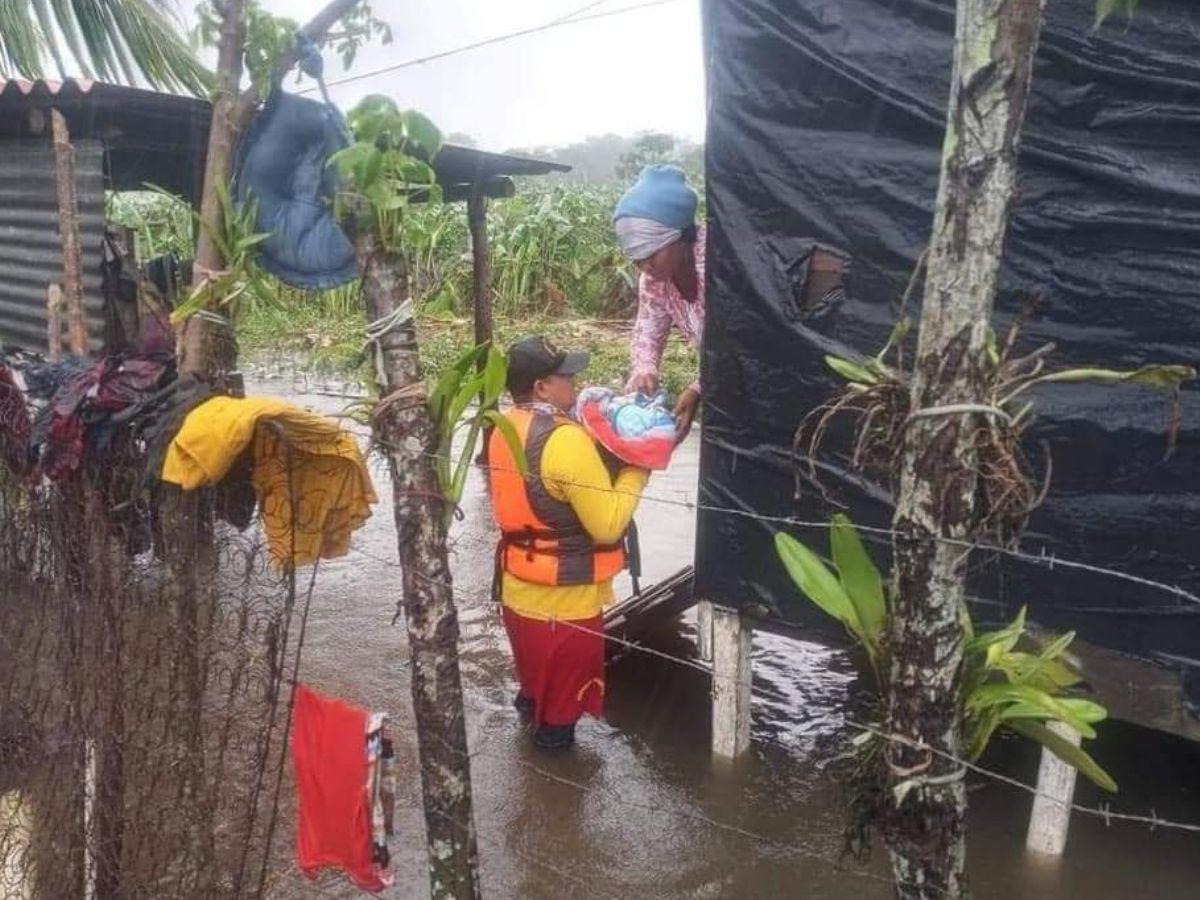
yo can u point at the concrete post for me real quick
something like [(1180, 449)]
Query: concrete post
[(704, 627), (731, 644), (1051, 813)]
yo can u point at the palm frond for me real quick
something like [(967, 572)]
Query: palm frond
[(20, 39), (46, 23), (123, 41), (68, 27)]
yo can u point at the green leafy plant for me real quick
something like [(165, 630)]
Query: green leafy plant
[(121, 41), (1005, 687), (388, 165), (1107, 8), (358, 27), (270, 38), (162, 222), (238, 243), (450, 407)]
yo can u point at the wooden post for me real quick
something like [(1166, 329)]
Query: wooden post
[(936, 495), (68, 226), (481, 267), (54, 310), (732, 671), (89, 819), (704, 630), (1051, 815), (481, 289)]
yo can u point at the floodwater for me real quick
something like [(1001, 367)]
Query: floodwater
[(639, 809)]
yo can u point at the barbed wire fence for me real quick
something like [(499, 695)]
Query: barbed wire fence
[(1186, 599), (144, 705)]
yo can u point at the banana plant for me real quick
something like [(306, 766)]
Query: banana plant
[(460, 385), (1004, 687)]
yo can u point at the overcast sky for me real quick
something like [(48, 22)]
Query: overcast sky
[(636, 71)]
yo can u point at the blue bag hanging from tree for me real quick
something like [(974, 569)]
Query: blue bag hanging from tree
[(283, 166)]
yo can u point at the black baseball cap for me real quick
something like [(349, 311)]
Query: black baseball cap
[(534, 358)]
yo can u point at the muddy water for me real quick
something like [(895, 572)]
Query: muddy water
[(639, 809)]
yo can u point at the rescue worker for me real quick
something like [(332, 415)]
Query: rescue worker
[(655, 222), (562, 542)]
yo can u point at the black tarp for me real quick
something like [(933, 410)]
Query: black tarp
[(825, 124)]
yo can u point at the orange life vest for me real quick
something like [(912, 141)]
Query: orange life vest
[(542, 541)]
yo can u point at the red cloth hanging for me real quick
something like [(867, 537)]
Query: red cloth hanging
[(334, 822)]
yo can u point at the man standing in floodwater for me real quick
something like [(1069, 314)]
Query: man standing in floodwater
[(562, 532), (656, 228)]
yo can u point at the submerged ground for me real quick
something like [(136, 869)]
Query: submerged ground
[(639, 809)]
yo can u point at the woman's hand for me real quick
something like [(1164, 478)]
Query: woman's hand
[(644, 383), (685, 413)]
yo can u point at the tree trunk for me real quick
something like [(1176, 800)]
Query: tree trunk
[(403, 427), (68, 226), (208, 349), (993, 56)]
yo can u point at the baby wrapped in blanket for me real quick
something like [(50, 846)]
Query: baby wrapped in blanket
[(637, 429)]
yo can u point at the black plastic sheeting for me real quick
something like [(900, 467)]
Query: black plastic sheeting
[(825, 124)]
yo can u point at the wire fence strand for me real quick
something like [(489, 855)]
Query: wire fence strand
[(1047, 560)]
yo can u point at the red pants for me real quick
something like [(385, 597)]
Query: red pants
[(560, 666)]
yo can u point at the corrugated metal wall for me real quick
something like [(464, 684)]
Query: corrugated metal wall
[(30, 245)]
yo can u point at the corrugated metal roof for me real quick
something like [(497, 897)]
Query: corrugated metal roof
[(462, 165), (150, 137), (53, 88), (30, 243), (162, 139)]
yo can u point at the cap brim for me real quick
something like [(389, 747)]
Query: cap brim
[(574, 363)]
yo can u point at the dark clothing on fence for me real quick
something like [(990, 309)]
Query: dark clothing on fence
[(14, 424)]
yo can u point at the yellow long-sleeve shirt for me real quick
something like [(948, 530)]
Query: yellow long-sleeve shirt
[(574, 473)]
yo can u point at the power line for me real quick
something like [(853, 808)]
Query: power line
[(574, 18), (576, 13)]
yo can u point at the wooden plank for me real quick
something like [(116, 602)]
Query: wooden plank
[(655, 605)]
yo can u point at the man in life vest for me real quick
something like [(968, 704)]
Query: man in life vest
[(562, 541)]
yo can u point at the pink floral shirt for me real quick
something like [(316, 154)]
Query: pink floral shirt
[(660, 305)]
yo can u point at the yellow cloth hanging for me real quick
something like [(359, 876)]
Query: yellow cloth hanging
[(332, 488)]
